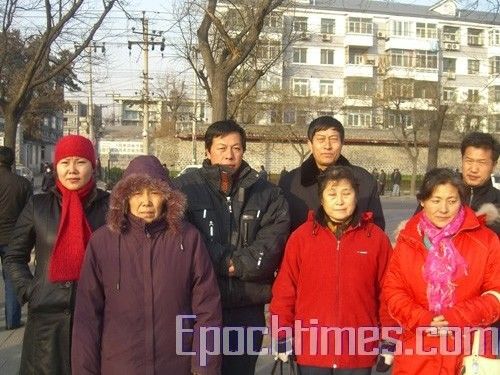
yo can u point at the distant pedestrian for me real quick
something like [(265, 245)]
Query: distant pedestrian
[(263, 173), (396, 182), (382, 180), (48, 178), (57, 225), (283, 172), (125, 316), (14, 194)]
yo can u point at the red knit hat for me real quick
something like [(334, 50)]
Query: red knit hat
[(74, 145)]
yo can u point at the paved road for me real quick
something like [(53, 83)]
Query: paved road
[(396, 209)]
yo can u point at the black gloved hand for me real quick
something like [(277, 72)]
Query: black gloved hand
[(386, 356)]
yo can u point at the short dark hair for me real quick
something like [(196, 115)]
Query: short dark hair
[(440, 176), (481, 140), (6, 156), (324, 123), (222, 128), (337, 173)]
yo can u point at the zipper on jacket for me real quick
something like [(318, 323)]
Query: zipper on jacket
[(471, 196), (211, 230), (229, 204), (245, 234), (337, 253)]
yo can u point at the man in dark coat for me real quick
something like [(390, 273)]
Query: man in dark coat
[(14, 193), (47, 337), (325, 139), (145, 275), (244, 221), (479, 158)]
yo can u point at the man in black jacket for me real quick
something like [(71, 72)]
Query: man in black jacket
[(14, 193), (325, 140), (244, 221), (479, 157)]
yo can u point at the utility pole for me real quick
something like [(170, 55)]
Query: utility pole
[(90, 101), (148, 39), (195, 104), (113, 96)]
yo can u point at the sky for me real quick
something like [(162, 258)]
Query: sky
[(119, 70)]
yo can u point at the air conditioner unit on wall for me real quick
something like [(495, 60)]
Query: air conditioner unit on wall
[(451, 46), (379, 119), (450, 76), (304, 36), (327, 37)]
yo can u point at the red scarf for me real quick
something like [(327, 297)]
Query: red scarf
[(72, 236)]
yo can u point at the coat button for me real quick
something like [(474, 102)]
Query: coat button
[(67, 284)]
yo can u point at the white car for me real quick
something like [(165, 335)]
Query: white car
[(21, 170), (495, 180), (190, 168)]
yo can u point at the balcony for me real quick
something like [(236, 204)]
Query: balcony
[(358, 70), (358, 101), (356, 39), (418, 74), (400, 42)]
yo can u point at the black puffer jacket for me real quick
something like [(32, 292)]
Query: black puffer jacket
[(249, 226), (301, 191), (478, 196), (47, 337)]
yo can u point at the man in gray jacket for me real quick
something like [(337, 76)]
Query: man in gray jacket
[(14, 193)]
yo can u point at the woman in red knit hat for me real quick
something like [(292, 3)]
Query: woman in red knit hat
[(58, 225)]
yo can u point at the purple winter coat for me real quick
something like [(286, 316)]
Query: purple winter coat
[(136, 279)]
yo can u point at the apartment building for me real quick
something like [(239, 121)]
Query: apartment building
[(376, 64)]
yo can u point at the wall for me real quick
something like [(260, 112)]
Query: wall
[(178, 153)]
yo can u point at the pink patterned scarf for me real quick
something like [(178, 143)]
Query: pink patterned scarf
[(443, 264)]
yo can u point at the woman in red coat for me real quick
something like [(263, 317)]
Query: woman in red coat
[(330, 280), (443, 279)]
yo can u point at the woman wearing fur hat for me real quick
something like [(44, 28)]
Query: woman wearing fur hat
[(58, 225), (443, 279), (147, 287)]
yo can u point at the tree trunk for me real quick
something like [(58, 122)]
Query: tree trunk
[(413, 181), (10, 129), (434, 135), (219, 98)]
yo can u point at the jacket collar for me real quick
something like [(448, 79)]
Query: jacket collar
[(411, 231), (480, 190), (318, 220), (244, 177), (309, 171), (139, 225)]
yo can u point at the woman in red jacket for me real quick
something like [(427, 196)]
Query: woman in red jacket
[(443, 279), (326, 295)]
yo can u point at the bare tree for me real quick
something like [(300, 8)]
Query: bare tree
[(227, 34), (44, 57), (172, 91)]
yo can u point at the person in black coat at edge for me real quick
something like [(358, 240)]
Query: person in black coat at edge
[(325, 140), (58, 225), (244, 221), (14, 193)]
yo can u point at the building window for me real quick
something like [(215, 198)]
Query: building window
[(398, 88), (426, 59), (327, 26), (355, 58), (426, 30), (473, 66), (449, 94), (300, 87), (475, 37), (273, 20), (397, 120), (289, 116), (449, 65), (268, 49), (401, 28), (495, 93), (473, 95), (495, 65), (400, 57), (359, 87), (494, 39), (326, 87), (451, 34), (496, 122), (300, 24), (359, 119), (358, 25), (327, 56), (300, 55)]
